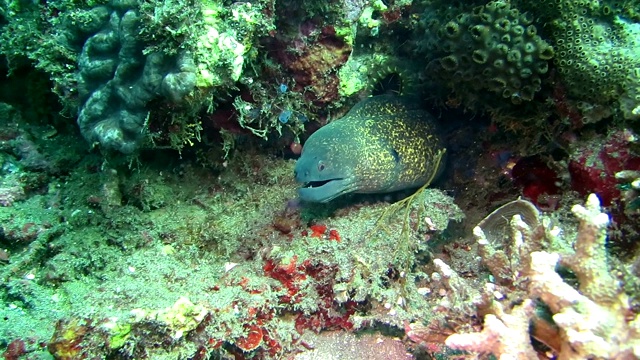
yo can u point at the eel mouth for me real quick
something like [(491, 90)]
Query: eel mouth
[(324, 190), (319, 183)]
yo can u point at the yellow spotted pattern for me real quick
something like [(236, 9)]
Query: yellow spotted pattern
[(386, 144)]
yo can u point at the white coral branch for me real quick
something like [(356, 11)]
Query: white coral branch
[(590, 260), (589, 329), (594, 321), (504, 335)]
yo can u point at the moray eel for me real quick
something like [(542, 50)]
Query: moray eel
[(383, 144)]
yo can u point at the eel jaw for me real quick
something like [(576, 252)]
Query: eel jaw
[(326, 190)]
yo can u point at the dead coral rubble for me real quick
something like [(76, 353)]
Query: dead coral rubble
[(593, 321)]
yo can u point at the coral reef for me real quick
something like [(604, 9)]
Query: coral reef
[(118, 78), (35, 33), (180, 234), (540, 183), (279, 109), (506, 335), (356, 72), (122, 55), (593, 321)]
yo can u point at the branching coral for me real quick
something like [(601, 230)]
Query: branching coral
[(596, 320), (506, 335), (593, 321)]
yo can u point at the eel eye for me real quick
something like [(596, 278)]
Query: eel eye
[(320, 166)]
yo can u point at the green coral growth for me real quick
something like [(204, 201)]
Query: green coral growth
[(169, 26), (596, 45), (120, 333), (494, 47), (226, 38)]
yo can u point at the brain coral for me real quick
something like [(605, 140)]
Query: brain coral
[(493, 47), (116, 80)]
